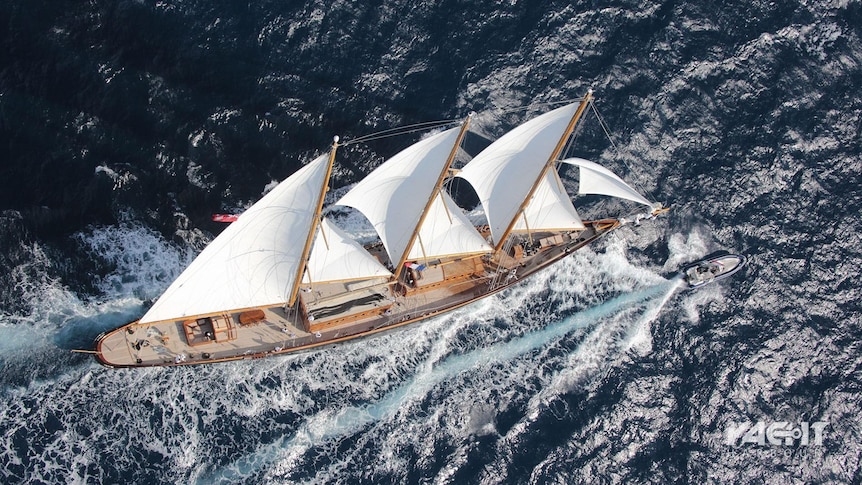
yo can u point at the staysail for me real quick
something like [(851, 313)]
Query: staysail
[(503, 174), (446, 231), (393, 197), (596, 179), (335, 256), (550, 208), (254, 261)]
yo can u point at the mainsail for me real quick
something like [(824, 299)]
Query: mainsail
[(337, 257), (254, 261), (393, 197), (503, 175)]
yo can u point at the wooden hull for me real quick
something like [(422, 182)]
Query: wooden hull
[(328, 314)]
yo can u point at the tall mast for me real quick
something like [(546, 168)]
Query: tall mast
[(315, 221), (434, 193), (548, 165)]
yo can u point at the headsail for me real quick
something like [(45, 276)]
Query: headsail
[(337, 257), (394, 196), (503, 174), (596, 179), (254, 261)]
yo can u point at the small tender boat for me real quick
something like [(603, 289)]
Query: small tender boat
[(711, 268)]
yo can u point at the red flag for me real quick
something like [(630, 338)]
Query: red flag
[(224, 217)]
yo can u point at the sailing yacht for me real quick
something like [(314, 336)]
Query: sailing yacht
[(283, 278)]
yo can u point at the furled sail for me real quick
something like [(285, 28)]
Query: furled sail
[(335, 256), (504, 173), (255, 260), (550, 208), (393, 198), (595, 179), (446, 231)]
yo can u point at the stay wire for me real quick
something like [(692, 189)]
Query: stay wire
[(428, 125), (400, 130), (502, 112), (610, 138)]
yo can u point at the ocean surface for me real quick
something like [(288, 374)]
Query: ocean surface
[(126, 124)]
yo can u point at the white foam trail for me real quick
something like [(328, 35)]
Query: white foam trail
[(143, 262), (638, 338), (143, 265), (328, 425), (618, 334), (49, 304), (688, 247)]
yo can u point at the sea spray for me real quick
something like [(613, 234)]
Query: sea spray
[(288, 450), (605, 342), (142, 263)]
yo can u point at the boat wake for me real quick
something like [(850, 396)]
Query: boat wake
[(609, 330), (53, 318), (477, 377)]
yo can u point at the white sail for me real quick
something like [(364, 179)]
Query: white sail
[(335, 256), (550, 208), (595, 179), (254, 261), (395, 194), (506, 170), (446, 231)]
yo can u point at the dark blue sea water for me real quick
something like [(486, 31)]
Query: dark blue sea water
[(125, 124)]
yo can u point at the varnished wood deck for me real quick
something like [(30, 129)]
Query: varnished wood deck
[(166, 342)]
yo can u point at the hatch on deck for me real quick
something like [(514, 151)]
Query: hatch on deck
[(206, 330)]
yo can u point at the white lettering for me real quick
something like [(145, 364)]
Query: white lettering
[(756, 434), (776, 433), (803, 434), (733, 432), (779, 433)]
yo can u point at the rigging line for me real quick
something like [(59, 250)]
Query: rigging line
[(400, 130), (616, 149), (604, 126), (533, 105), (570, 143), (427, 125)]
